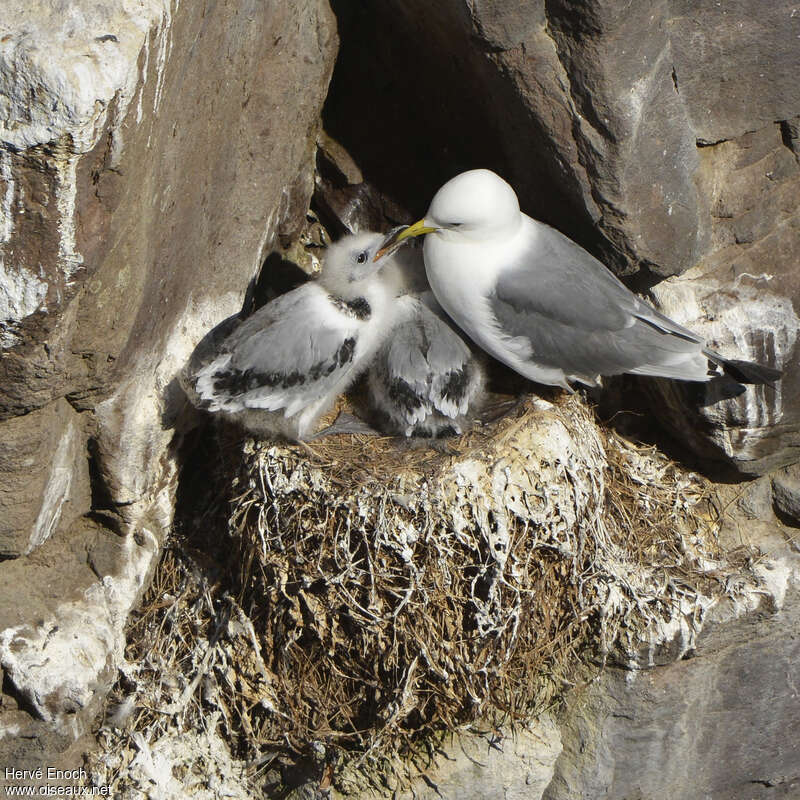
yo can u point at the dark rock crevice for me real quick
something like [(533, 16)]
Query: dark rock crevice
[(414, 101), (790, 135)]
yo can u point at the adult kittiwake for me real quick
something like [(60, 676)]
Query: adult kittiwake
[(541, 304), (285, 365)]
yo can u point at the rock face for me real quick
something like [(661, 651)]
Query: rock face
[(723, 724), (623, 126), (150, 156), (45, 476), (755, 431), (515, 767), (153, 153), (786, 492)]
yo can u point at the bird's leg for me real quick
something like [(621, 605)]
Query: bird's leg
[(345, 423)]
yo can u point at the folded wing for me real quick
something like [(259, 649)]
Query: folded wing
[(577, 316), (288, 355), (424, 377)]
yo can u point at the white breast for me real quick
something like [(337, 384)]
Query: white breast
[(463, 275), (461, 281)]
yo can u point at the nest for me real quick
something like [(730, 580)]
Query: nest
[(371, 596)]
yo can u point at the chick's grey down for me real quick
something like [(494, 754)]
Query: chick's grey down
[(424, 381), (541, 304), (285, 365)]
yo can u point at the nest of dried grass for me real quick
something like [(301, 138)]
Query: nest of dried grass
[(374, 595), (396, 593)]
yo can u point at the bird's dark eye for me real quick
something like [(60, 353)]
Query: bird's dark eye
[(456, 224), (362, 257)]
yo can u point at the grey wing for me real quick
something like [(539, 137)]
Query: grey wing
[(456, 377), (287, 355), (424, 368), (206, 351), (578, 317)]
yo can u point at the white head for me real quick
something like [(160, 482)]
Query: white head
[(474, 205), (349, 266), (477, 202), (349, 262)]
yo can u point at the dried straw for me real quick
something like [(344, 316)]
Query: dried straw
[(371, 596)]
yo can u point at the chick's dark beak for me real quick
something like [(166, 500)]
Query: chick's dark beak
[(399, 235)]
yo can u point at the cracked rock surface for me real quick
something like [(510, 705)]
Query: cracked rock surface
[(130, 223)]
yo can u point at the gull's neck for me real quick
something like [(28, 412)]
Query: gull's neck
[(377, 289)]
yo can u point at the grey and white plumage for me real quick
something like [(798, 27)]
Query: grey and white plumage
[(285, 365), (424, 380), (541, 304)]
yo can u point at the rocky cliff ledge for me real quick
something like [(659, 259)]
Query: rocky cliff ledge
[(153, 155)]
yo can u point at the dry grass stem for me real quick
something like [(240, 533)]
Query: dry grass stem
[(373, 596)]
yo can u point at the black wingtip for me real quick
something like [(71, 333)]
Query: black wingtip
[(750, 372)]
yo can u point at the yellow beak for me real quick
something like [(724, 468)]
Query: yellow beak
[(417, 229)]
